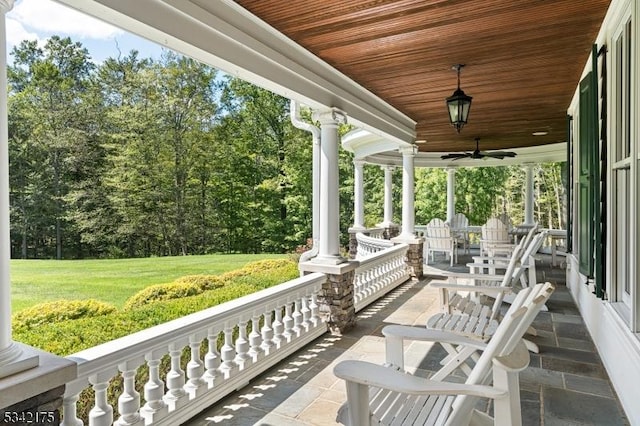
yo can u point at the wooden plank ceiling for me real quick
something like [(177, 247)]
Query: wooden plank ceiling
[(523, 59)]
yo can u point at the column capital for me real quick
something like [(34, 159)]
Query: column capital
[(390, 167), (408, 150), (358, 162), (328, 116), (6, 5), (451, 169)]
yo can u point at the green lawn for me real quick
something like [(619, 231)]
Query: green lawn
[(112, 280)]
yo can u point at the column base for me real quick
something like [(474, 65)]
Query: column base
[(15, 359), (53, 371), (337, 306), (328, 260)]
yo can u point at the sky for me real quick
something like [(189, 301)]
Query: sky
[(40, 19)]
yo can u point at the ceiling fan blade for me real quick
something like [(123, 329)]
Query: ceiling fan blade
[(502, 153), (455, 156)]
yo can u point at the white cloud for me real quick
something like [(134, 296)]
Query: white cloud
[(45, 16), (16, 32)]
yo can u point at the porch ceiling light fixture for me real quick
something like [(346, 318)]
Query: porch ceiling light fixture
[(458, 104)]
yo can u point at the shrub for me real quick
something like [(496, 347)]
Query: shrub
[(260, 274), (158, 292), (205, 282), (70, 336), (59, 310)]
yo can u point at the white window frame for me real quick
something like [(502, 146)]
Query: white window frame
[(624, 289)]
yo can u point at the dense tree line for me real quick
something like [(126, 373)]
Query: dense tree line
[(139, 157), (480, 193)]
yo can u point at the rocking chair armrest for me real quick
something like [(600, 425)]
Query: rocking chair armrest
[(452, 278), (481, 259), (374, 375), (423, 334), (497, 265), (485, 289)]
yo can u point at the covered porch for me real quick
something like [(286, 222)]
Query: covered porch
[(385, 69)]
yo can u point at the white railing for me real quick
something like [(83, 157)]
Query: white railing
[(375, 232), (370, 245), (380, 273), (282, 320)]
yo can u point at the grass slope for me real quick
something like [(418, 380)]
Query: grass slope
[(109, 280)]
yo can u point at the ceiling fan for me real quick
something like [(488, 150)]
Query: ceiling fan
[(477, 154)]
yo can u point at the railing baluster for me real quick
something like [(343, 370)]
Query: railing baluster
[(297, 318), (196, 385), (315, 311), (243, 359), (129, 400), (155, 408), (228, 354), (306, 314), (268, 345), (278, 328), (102, 413), (212, 359), (255, 339), (176, 396), (69, 409), (288, 323)]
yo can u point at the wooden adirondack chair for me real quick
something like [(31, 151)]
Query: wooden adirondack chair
[(495, 238), (458, 224), (386, 395), (475, 317), (531, 243), (438, 238)]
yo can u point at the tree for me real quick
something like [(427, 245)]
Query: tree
[(48, 86)]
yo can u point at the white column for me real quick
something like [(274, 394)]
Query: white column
[(358, 214), (451, 193), (12, 359), (329, 244), (388, 197), (5, 248), (408, 196), (528, 199)]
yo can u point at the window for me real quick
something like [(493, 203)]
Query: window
[(622, 191)]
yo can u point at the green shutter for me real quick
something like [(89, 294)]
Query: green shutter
[(587, 179), (600, 171)]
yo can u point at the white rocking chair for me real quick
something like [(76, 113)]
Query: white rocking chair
[(379, 395), (465, 313)]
